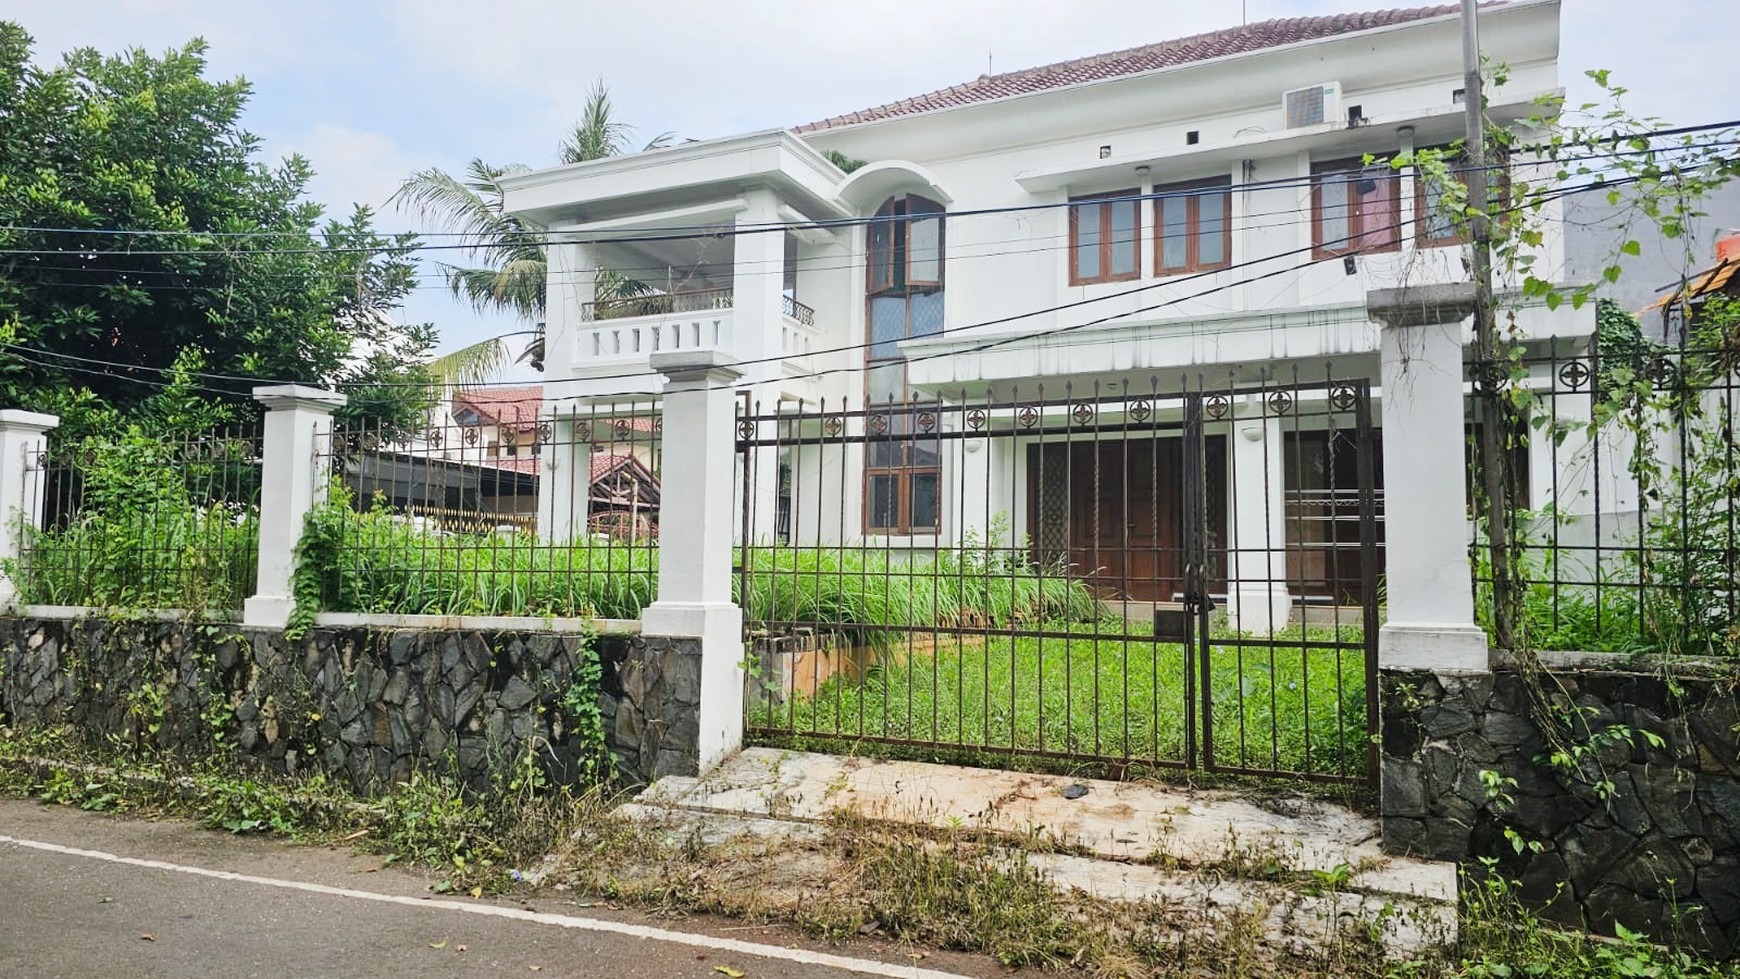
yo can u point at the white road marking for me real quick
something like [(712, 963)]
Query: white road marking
[(867, 967)]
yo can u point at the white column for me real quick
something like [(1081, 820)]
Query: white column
[(293, 475), (1431, 606), (695, 539), (564, 477), (1257, 598), (23, 441), (564, 466), (756, 308)]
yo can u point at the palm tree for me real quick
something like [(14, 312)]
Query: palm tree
[(510, 274)]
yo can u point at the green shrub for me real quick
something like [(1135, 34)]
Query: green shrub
[(376, 560), (154, 528)]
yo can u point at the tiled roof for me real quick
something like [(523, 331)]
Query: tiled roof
[(605, 463), (1711, 280), (1132, 61), (518, 464), (515, 408)]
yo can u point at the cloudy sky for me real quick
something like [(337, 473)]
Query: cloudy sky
[(370, 90)]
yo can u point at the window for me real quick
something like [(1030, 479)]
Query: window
[(1193, 227), (1355, 209), (1435, 220), (1104, 232), (903, 457)]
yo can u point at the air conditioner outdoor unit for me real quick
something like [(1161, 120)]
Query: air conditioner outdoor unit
[(1312, 105)]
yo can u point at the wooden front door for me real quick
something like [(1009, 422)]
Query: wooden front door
[(1111, 512)]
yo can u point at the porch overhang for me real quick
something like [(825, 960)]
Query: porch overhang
[(700, 175), (1238, 347)]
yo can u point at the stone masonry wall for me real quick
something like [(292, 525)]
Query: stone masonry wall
[(366, 706), (1664, 839)]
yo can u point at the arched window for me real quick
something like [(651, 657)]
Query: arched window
[(904, 280)]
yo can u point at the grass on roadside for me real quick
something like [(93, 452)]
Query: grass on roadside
[(476, 843)]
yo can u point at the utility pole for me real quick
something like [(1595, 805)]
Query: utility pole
[(1492, 414)]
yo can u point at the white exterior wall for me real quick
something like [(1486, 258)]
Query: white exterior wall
[(1043, 149)]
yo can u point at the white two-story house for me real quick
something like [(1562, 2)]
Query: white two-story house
[(1194, 206)]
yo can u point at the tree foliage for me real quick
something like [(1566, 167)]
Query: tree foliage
[(220, 259)]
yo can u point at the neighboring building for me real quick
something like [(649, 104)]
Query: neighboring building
[(505, 420), (1221, 175), (1683, 303), (1595, 228)]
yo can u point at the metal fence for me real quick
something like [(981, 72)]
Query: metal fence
[(1162, 577), (1623, 480), (534, 515), (145, 521)]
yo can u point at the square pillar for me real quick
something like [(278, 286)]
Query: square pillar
[(23, 444), (564, 478), (1430, 585), (757, 305), (696, 519), (293, 474), (1257, 598)]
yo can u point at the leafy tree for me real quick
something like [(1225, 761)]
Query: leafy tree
[(184, 247), (511, 270)]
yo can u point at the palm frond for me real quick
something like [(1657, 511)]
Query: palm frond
[(475, 364), (472, 207), (517, 288), (595, 134)]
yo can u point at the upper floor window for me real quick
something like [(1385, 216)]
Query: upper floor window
[(1193, 227), (906, 247), (1355, 208), (1104, 232), (903, 460), (1436, 221)]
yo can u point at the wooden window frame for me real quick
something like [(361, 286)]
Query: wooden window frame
[(1498, 197), (1193, 227), (1321, 174), (899, 284), (898, 217), (1106, 275)]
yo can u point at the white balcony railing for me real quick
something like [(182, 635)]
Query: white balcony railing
[(632, 340)]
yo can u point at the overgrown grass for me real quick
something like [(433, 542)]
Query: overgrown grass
[(1276, 707), (477, 841), (177, 557), (376, 561)]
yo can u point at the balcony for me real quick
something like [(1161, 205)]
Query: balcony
[(624, 333)]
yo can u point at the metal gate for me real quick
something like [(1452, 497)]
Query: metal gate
[(1180, 577)]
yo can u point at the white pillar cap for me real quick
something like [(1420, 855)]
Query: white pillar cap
[(278, 397), (19, 420)]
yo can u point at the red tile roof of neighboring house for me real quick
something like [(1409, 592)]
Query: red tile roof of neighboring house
[(1133, 61), (518, 464), (605, 463), (515, 408)]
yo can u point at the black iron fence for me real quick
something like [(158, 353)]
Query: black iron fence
[(1152, 577), (533, 514), (142, 520), (1623, 478)]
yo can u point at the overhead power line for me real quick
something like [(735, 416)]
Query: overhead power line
[(534, 238), (106, 368)]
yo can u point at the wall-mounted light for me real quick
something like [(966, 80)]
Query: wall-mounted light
[(1143, 170)]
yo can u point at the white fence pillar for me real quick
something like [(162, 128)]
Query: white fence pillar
[(696, 518), (293, 476), (23, 442), (1257, 598), (1429, 585)]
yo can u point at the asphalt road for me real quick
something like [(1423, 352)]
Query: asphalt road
[(87, 895)]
